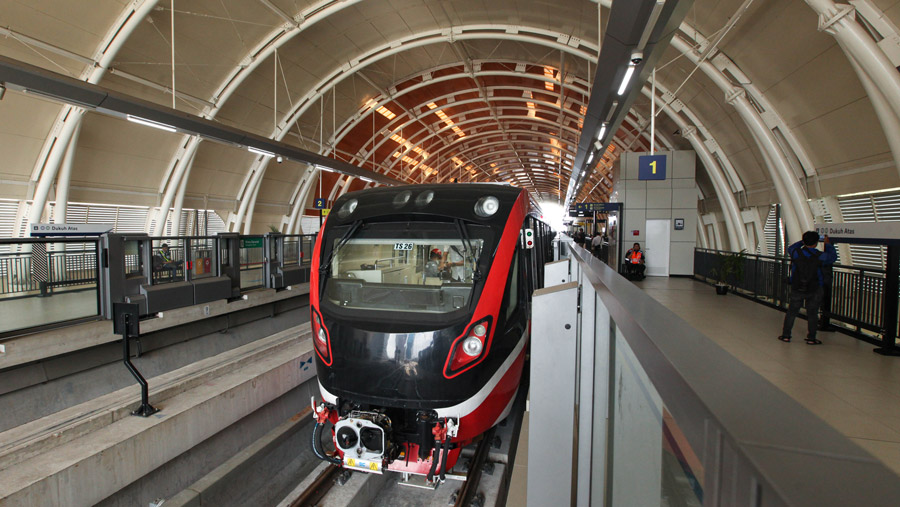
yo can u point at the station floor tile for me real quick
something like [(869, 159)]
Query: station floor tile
[(842, 381)]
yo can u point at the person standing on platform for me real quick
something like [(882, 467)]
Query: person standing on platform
[(596, 243), (807, 280)]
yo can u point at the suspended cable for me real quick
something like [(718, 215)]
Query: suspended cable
[(173, 52)]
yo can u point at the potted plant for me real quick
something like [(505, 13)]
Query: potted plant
[(729, 268)]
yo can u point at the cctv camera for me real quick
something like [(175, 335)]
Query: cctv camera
[(637, 57), (279, 159)]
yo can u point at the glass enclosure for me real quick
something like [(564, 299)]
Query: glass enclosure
[(45, 282), (252, 260)]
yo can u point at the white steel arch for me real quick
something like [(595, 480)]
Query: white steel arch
[(69, 118), (790, 193)]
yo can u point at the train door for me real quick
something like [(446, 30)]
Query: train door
[(516, 307)]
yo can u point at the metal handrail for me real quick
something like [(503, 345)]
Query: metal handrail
[(79, 269), (754, 440), (787, 258), (856, 292)]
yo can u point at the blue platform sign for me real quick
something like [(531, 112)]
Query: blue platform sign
[(652, 167), (319, 204)]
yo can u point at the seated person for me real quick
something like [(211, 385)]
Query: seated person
[(164, 260), (433, 266), (634, 262)]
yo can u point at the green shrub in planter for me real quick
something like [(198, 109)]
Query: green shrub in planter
[(729, 269)]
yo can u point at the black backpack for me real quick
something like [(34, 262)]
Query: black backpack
[(806, 271)]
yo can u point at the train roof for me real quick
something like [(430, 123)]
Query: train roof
[(412, 202)]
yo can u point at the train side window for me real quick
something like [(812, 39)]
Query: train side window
[(512, 287)]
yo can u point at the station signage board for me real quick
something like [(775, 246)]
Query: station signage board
[(251, 242), (871, 233), (61, 230), (603, 207), (575, 213), (319, 203)]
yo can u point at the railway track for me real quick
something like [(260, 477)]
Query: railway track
[(480, 478), (318, 489), (395, 492)]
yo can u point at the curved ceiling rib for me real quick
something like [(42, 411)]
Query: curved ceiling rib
[(179, 165), (69, 118), (534, 35), (401, 124)]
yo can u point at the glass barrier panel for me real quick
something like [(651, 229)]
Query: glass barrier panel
[(291, 251), (202, 261), (252, 260), (168, 256), (651, 460), (306, 247), (47, 282)]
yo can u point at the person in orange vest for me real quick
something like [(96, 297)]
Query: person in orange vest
[(634, 261)]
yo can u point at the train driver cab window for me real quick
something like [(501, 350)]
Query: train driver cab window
[(430, 273)]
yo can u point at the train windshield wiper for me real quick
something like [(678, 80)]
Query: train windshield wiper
[(323, 268), (467, 247)]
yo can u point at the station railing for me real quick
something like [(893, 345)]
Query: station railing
[(53, 281), (656, 413), (856, 305)]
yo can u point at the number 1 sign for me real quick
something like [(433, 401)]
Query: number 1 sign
[(652, 167)]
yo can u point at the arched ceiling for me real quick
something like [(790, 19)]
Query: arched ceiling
[(422, 90)]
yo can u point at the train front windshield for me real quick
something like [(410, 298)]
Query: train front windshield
[(430, 269)]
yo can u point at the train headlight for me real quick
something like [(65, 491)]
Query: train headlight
[(487, 206), (468, 350), (348, 208), (402, 198), (424, 198), (321, 339), (472, 346)]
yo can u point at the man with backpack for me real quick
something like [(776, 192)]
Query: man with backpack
[(807, 279)]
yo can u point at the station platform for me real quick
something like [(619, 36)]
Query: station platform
[(841, 381)]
